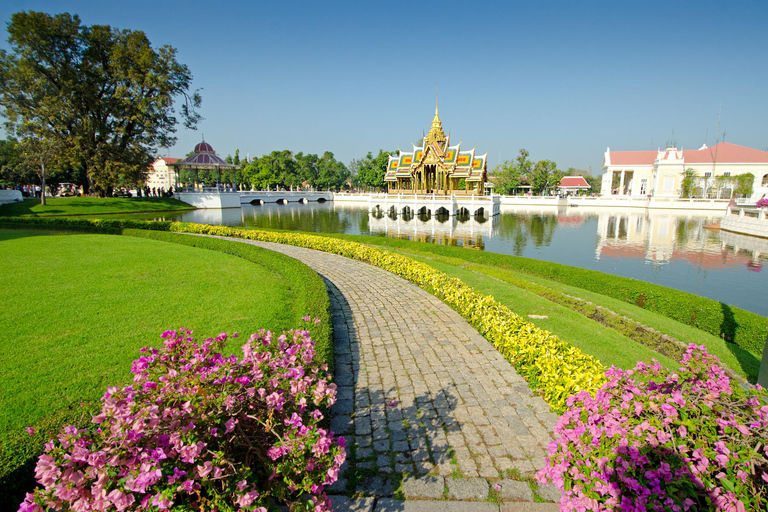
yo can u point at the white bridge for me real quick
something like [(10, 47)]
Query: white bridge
[(484, 206), (299, 196)]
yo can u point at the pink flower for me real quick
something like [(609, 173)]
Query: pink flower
[(30, 430)]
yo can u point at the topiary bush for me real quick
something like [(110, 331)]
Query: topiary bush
[(200, 431), (651, 439)]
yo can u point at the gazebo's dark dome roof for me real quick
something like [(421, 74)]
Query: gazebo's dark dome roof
[(204, 147)]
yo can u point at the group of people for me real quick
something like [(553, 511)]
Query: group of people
[(28, 190), (154, 192)]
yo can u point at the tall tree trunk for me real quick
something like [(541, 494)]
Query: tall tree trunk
[(42, 188)]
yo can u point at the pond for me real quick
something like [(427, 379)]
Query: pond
[(657, 246)]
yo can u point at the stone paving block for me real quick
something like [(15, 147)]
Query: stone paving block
[(341, 424), (344, 504), (423, 487), (518, 506), (549, 493), (514, 490), (376, 486), (467, 488), (524, 466), (393, 505), (403, 468)]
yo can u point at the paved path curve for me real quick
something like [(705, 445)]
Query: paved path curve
[(422, 392)]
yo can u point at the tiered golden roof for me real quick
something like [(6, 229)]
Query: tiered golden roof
[(436, 166)]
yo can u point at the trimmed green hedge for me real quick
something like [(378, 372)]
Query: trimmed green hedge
[(744, 328)]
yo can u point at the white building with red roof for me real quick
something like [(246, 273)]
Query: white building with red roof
[(572, 185), (160, 175), (660, 173)]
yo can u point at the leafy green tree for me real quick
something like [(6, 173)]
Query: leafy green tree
[(688, 183), (744, 184), (543, 176), (12, 172), (512, 174), (371, 170), (333, 174), (307, 169), (104, 95)]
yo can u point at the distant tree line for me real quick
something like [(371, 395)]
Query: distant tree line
[(294, 171), (523, 175)]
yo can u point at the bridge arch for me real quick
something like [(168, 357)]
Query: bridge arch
[(442, 211), (257, 202)]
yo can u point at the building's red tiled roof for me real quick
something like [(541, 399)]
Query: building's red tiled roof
[(170, 160), (633, 157), (574, 181), (725, 153)]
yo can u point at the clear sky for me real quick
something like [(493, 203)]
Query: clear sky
[(562, 79)]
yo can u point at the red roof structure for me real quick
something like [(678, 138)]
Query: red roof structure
[(633, 157), (169, 160), (577, 182), (723, 153)]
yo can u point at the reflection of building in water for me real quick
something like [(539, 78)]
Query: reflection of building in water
[(663, 237), (467, 232)]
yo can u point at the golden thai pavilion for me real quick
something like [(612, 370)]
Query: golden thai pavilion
[(437, 167)]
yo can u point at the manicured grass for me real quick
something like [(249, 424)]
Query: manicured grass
[(608, 346), (58, 206), (745, 329), (76, 309)]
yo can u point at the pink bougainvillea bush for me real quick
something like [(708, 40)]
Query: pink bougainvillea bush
[(651, 439), (762, 203), (200, 431)]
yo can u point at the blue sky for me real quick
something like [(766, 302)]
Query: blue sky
[(561, 79)]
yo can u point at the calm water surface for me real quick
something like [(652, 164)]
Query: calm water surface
[(662, 247)]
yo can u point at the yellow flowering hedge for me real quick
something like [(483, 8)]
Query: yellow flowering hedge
[(550, 365)]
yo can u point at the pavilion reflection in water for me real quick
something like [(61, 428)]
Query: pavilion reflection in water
[(465, 231)]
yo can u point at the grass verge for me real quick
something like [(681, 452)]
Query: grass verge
[(742, 328), (65, 206)]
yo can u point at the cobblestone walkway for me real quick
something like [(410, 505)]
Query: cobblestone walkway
[(421, 393)]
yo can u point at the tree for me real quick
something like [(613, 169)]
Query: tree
[(371, 170), (333, 174), (543, 176), (511, 174), (688, 183), (104, 95)]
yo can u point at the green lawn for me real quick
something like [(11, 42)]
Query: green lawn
[(482, 272), (58, 206), (76, 308)]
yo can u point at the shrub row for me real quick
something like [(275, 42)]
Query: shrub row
[(549, 364), (745, 329)]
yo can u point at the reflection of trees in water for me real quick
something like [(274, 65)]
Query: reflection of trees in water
[(300, 217), (538, 227)]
